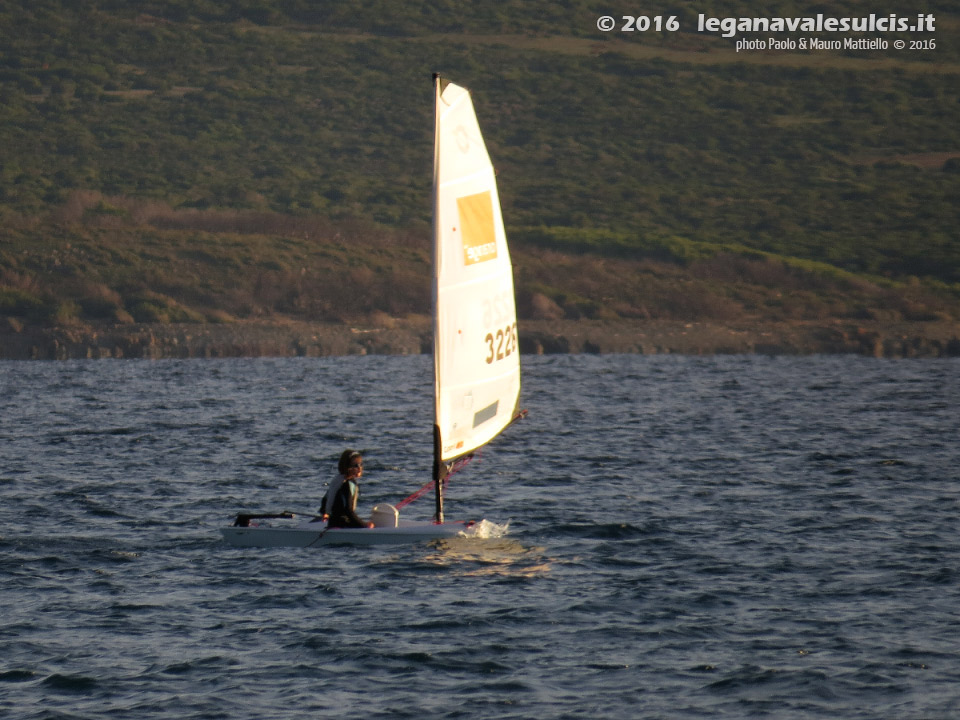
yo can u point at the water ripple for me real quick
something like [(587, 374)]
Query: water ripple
[(688, 537)]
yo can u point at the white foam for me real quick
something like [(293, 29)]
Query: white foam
[(487, 530)]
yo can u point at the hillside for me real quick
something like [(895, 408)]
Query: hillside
[(176, 162)]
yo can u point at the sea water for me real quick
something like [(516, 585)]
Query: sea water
[(688, 538)]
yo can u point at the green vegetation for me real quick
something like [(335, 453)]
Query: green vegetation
[(142, 262), (205, 162)]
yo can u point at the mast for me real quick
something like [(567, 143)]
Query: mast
[(437, 441), (438, 474)]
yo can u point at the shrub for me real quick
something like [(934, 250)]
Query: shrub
[(20, 303)]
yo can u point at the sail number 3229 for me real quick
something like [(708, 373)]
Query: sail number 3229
[(501, 344)]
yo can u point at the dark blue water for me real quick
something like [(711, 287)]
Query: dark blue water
[(729, 537)]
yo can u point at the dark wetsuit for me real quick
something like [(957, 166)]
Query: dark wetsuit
[(343, 512)]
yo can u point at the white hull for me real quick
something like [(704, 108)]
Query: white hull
[(316, 534)]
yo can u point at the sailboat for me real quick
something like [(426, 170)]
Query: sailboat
[(476, 358)]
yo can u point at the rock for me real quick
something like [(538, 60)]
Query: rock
[(543, 308), (402, 337)]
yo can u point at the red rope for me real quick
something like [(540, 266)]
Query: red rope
[(456, 467), (409, 499)]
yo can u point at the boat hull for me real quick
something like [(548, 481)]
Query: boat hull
[(317, 534)]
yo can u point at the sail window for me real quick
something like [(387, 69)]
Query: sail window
[(488, 413)]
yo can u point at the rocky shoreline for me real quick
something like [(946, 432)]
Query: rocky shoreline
[(874, 339)]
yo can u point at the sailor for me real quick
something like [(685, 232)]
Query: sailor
[(339, 506)]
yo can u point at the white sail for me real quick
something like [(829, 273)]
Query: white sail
[(476, 353)]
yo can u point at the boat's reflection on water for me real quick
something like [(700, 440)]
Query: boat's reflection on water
[(489, 555)]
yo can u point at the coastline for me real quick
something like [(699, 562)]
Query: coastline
[(398, 337)]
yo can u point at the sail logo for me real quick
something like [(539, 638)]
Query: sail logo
[(476, 228), (463, 140)]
